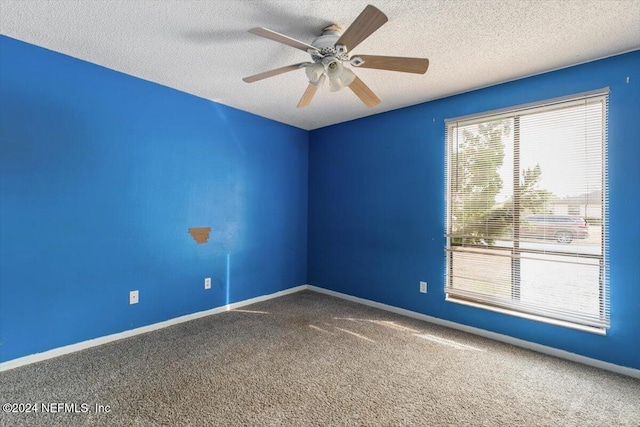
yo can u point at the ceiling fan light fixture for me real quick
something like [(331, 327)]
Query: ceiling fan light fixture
[(314, 72), (339, 77), (318, 84)]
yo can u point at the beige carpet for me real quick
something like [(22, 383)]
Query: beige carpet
[(308, 359)]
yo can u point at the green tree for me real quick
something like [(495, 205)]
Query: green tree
[(499, 220), (532, 198), (477, 182)]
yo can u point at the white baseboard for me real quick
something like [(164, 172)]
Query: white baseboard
[(487, 334), (72, 348)]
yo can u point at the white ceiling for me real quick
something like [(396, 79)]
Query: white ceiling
[(203, 48)]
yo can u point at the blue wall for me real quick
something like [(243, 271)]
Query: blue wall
[(376, 206), (102, 174)]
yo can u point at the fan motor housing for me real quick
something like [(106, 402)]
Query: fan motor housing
[(326, 44)]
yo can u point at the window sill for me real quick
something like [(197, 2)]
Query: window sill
[(565, 324)]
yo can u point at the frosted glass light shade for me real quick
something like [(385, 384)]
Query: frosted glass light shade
[(339, 77)]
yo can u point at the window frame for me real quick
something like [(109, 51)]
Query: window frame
[(515, 112)]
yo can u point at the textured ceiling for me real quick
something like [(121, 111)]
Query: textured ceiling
[(203, 47)]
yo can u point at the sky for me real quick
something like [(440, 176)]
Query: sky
[(566, 143)]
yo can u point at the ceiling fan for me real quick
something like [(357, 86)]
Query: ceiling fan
[(331, 52)]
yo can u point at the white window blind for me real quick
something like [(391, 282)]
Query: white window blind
[(526, 210)]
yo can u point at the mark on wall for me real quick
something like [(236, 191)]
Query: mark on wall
[(200, 234)]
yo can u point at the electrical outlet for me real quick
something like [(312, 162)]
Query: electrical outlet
[(207, 283), (423, 287), (133, 297)]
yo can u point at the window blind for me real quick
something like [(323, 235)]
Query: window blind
[(527, 209)]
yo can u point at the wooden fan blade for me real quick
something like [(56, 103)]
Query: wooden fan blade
[(369, 20), (307, 96), (364, 93), (272, 73), (281, 38), (395, 63)]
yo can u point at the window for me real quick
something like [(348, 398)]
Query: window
[(527, 210)]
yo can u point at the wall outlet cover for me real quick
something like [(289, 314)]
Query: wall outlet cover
[(207, 283), (423, 287), (133, 297)]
